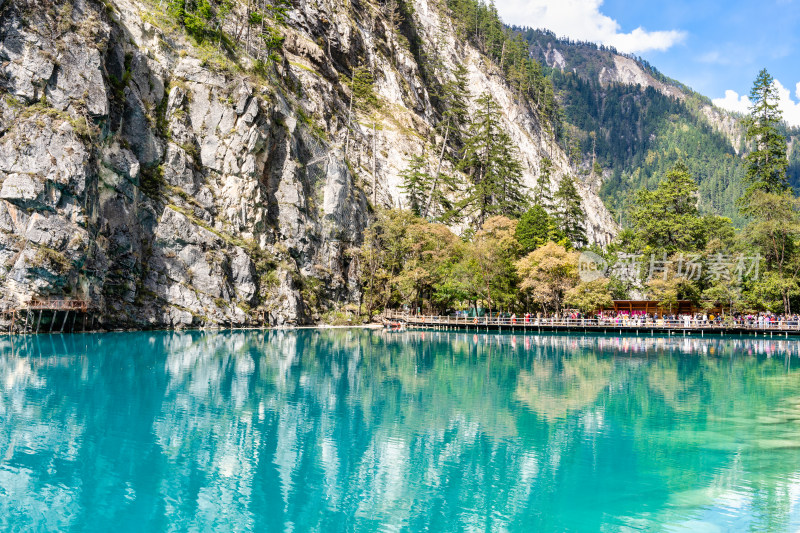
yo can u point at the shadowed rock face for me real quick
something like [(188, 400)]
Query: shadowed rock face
[(172, 194), (154, 187)]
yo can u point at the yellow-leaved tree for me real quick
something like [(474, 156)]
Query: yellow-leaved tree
[(590, 296), (547, 274)]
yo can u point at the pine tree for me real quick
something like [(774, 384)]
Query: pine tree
[(490, 159), (442, 209), (195, 16), (569, 212), (455, 97), (767, 163), (541, 193), (416, 182), (535, 228), (667, 219), (394, 17), (361, 83)]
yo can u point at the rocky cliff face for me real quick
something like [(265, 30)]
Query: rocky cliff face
[(171, 189)]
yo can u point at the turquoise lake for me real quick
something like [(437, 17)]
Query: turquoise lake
[(355, 430)]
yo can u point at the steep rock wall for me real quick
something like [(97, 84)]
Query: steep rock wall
[(170, 193), (164, 193)]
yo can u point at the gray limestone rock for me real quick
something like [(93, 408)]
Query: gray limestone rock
[(24, 190), (177, 170), (77, 80), (41, 158), (25, 65), (138, 131), (216, 206)]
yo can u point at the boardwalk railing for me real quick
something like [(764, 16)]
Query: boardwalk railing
[(55, 304), (27, 316), (593, 323)]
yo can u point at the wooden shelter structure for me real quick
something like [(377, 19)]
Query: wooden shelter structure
[(651, 307)]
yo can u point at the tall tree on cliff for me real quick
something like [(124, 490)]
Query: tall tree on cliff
[(416, 183), (455, 97), (490, 160), (768, 201), (541, 192), (569, 212)]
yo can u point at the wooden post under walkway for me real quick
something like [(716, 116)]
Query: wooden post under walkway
[(28, 310)]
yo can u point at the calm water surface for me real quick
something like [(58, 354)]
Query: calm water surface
[(351, 430)]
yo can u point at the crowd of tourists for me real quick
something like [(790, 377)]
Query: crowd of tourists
[(611, 318), (693, 320)]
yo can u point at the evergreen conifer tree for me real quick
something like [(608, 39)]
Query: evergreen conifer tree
[(535, 228), (541, 193), (416, 182), (767, 163), (667, 219), (490, 159), (455, 98), (455, 117), (569, 212)]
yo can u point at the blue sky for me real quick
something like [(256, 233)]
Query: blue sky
[(717, 48)]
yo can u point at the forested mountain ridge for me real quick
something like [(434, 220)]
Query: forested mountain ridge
[(636, 123), (197, 162)]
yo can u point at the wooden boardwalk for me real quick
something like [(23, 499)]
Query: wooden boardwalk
[(620, 326), (28, 316)]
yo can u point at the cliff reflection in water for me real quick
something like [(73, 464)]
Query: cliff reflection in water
[(348, 429)]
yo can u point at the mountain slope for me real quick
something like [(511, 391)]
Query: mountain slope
[(636, 123), (176, 174)]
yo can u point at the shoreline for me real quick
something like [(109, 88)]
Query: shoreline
[(202, 329)]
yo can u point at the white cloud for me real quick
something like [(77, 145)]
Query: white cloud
[(640, 40), (733, 102), (790, 109), (582, 20)]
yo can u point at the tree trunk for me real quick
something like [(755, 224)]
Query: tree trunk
[(438, 169), (349, 114), (374, 166), (247, 22), (261, 31)]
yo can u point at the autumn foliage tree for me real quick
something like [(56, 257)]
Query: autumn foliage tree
[(547, 274), (590, 296), (491, 260)]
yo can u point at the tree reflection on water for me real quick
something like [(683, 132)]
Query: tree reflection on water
[(353, 429)]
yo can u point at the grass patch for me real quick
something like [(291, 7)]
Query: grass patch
[(55, 260), (80, 125), (161, 122), (118, 85), (342, 318), (192, 151), (151, 181), (304, 67)]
